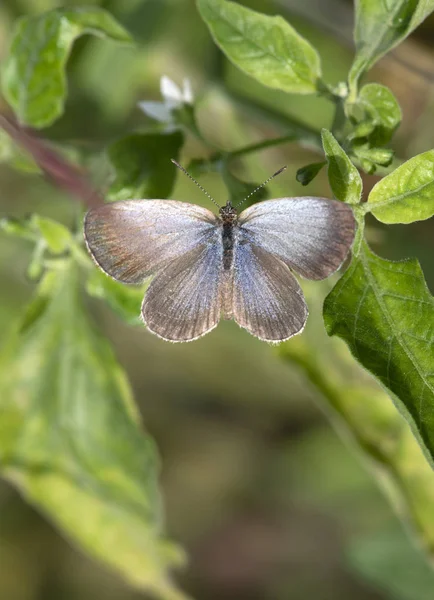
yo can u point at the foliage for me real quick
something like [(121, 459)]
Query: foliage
[(69, 435), (344, 178), (142, 165), (361, 409), (406, 195), (385, 313), (34, 82), (380, 26), (267, 48)]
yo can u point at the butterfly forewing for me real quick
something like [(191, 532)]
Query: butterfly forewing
[(183, 301), (267, 300), (311, 235), (134, 239)]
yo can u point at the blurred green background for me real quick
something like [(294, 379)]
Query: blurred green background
[(258, 487)]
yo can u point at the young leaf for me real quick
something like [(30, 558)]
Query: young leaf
[(364, 415), (124, 300), (385, 313), (361, 130), (407, 194), (380, 26), (33, 75), (383, 111), (344, 178), (367, 166), (143, 166), (71, 440), (267, 48), (308, 173), (376, 156)]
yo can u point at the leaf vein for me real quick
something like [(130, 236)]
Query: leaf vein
[(379, 297)]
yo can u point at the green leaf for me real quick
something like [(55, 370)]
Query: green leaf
[(367, 166), (55, 236), (143, 166), (407, 194), (36, 266), (344, 178), (382, 110), (377, 156), (308, 173), (71, 440), (241, 190), (361, 130), (380, 156), (267, 48), (385, 313), (391, 562), (380, 26), (33, 75), (124, 300), (21, 228), (364, 415)]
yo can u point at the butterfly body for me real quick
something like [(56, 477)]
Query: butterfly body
[(228, 216), (207, 266)]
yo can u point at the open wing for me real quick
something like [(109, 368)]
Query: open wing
[(183, 301), (310, 235), (267, 300), (133, 239)]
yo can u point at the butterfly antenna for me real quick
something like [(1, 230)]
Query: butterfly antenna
[(261, 186), (194, 180)]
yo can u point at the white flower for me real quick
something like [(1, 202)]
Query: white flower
[(173, 94), (173, 97)]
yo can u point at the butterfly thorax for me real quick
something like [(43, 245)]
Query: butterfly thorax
[(228, 215)]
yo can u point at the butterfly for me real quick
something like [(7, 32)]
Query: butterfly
[(207, 266)]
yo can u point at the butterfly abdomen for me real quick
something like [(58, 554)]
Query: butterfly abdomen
[(228, 245)]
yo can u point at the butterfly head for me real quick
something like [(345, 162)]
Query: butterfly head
[(228, 213)]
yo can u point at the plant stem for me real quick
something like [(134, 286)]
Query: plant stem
[(339, 120), (359, 214), (257, 147), (305, 135)]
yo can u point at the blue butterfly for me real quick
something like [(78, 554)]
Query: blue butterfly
[(206, 266)]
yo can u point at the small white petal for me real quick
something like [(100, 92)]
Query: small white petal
[(156, 110), (170, 103), (187, 91), (169, 90)]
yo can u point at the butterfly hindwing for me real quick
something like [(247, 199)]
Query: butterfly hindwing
[(267, 299), (133, 239), (183, 301), (310, 235)]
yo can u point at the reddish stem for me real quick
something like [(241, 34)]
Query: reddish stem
[(61, 172)]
